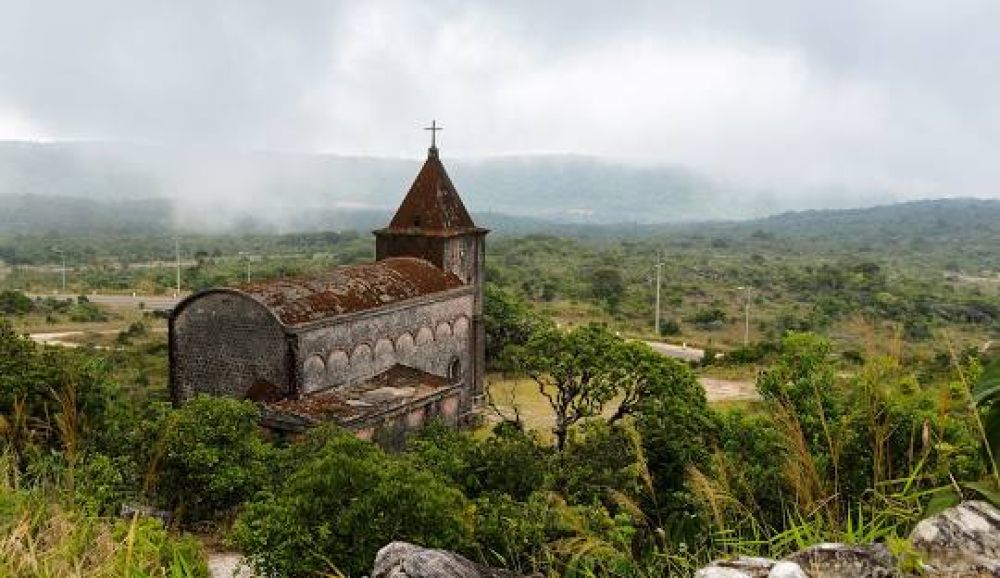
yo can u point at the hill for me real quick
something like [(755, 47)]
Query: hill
[(211, 189)]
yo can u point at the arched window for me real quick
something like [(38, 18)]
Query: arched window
[(455, 369)]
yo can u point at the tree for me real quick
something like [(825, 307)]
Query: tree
[(607, 286), (639, 374), (509, 321), (575, 371)]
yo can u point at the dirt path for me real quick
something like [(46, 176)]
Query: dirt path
[(62, 338), (720, 390)]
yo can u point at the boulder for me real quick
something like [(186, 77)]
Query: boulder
[(835, 560), (404, 560), (786, 569), (742, 567), (960, 541)]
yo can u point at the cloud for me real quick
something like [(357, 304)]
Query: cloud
[(892, 97)]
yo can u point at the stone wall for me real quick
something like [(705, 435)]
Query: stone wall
[(432, 334), (225, 343)]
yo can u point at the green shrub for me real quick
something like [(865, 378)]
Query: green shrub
[(14, 303), (599, 459), (213, 458), (510, 461), (51, 399), (343, 504)]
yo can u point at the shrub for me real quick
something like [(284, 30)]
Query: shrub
[(510, 461), (343, 504), (670, 327), (711, 318), (14, 303), (213, 458), (599, 459), (675, 426), (51, 399)]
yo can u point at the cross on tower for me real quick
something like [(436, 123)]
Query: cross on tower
[(434, 128)]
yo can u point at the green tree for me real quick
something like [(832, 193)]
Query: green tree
[(342, 504), (213, 457), (608, 287), (509, 321), (576, 371)]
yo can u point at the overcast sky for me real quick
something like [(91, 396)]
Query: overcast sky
[(902, 95)]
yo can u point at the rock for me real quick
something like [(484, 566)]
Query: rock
[(846, 561), (228, 565), (129, 511), (403, 560), (786, 569), (960, 541), (742, 567)]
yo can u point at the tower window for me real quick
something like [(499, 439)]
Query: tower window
[(416, 221), (455, 369)]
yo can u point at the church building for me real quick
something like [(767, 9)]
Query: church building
[(379, 348)]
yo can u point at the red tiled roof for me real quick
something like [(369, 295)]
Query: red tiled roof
[(394, 388), (296, 301), (432, 204)]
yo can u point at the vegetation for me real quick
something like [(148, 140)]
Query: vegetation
[(869, 348)]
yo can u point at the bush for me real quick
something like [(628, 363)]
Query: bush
[(670, 327), (14, 303), (213, 458), (599, 459), (510, 461), (343, 504), (711, 318), (51, 399)]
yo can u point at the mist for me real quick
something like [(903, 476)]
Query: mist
[(568, 110)]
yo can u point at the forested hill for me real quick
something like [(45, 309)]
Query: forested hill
[(218, 189), (968, 226)]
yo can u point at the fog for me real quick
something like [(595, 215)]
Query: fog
[(785, 104)]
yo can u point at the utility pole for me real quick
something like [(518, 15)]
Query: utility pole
[(246, 257), (659, 269), (746, 310), (62, 254), (177, 258)]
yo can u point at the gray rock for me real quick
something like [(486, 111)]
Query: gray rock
[(742, 567), (960, 541), (846, 561), (786, 569), (403, 560)]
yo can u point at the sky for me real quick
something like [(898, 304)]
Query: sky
[(895, 96)]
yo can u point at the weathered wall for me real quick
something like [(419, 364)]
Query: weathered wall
[(224, 343), (430, 335)]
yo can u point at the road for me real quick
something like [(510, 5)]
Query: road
[(153, 302), (715, 389), (677, 351)]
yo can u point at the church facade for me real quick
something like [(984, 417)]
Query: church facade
[(379, 348)]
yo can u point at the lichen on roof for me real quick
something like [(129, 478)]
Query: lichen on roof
[(394, 388), (300, 300), (432, 204)]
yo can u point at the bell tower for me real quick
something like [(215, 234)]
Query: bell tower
[(433, 224)]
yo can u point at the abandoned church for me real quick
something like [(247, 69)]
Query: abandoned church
[(379, 348)]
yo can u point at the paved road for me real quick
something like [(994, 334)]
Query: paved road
[(149, 301), (677, 351)]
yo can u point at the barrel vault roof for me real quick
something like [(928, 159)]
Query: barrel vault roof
[(301, 300)]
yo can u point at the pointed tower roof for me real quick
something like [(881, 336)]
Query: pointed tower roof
[(432, 205)]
